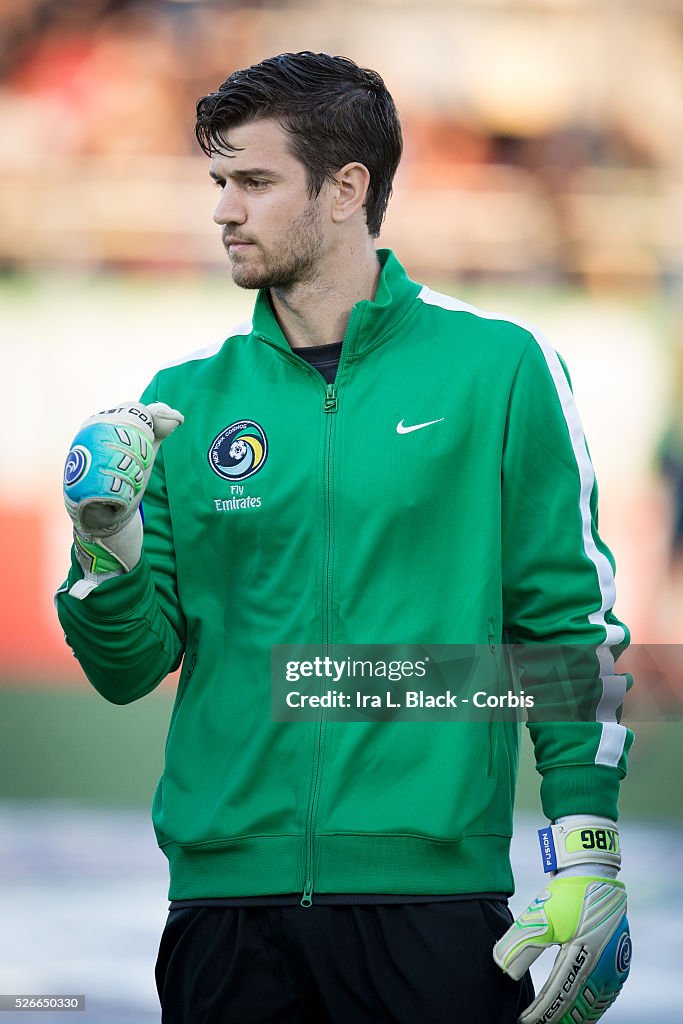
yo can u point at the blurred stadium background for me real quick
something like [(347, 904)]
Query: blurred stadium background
[(543, 177)]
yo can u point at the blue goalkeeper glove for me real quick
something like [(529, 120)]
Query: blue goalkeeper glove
[(583, 910), (105, 476)]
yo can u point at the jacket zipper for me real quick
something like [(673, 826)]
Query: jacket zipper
[(329, 406), (330, 399)]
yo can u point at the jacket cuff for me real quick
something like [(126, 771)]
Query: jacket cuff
[(114, 598), (581, 789)]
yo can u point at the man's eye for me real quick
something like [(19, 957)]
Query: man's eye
[(256, 183), (218, 182)]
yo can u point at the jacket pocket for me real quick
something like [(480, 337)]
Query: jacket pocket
[(492, 730), (189, 664)]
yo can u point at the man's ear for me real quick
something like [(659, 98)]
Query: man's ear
[(349, 191)]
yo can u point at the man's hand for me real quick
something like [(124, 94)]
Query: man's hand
[(105, 476), (583, 910), (586, 916)]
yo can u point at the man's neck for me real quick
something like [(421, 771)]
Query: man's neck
[(317, 312)]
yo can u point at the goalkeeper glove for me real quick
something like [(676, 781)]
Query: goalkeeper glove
[(583, 910), (105, 476)]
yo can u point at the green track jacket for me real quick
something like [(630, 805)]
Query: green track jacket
[(289, 511)]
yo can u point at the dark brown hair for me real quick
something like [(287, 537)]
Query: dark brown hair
[(334, 111)]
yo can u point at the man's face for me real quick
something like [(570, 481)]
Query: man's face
[(272, 231)]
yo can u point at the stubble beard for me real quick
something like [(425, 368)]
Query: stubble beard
[(292, 259)]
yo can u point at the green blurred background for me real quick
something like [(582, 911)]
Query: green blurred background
[(73, 745)]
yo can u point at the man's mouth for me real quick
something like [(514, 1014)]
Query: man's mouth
[(234, 244)]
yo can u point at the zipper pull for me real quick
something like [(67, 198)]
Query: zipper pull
[(330, 398), (491, 637), (307, 898)]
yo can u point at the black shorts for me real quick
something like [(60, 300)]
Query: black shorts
[(425, 963)]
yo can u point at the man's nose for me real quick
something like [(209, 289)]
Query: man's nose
[(230, 209)]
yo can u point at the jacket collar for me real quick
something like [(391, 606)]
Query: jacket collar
[(370, 322)]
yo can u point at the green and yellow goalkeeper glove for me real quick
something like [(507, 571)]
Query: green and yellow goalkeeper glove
[(583, 910)]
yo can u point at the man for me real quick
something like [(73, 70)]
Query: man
[(365, 462)]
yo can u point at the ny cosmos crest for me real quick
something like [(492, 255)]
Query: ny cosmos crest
[(238, 451)]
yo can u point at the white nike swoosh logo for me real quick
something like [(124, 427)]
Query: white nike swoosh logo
[(401, 429)]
